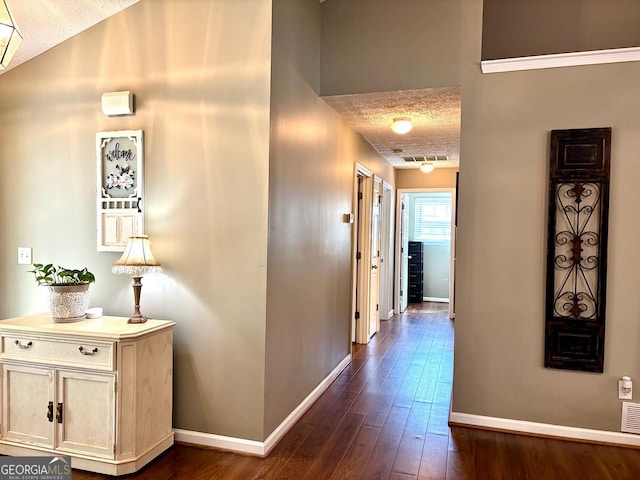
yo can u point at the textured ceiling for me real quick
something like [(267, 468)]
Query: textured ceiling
[(434, 112), (46, 23)]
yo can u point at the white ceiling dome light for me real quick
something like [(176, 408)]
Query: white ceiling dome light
[(427, 167), (401, 125)]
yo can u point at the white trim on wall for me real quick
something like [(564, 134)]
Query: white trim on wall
[(595, 57), (544, 429), (252, 447), (435, 299)]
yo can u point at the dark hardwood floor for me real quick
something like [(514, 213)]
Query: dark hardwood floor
[(385, 417)]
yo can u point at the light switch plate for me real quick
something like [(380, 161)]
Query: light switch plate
[(24, 255)]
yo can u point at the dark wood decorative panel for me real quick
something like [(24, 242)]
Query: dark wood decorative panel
[(577, 249)]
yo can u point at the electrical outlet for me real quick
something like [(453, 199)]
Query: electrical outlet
[(625, 393), (24, 255)]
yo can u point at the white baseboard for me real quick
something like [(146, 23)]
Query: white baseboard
[(252, 447), (435, 299), (544, 429), (595, 57)]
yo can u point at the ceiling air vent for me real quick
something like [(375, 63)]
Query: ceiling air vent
[(430, 158), (630, 417)]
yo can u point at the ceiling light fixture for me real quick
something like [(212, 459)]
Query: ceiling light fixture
[(10, 37), (401, 125), (427, 167)]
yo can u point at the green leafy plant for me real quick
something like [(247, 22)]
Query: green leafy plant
[(56, 275)]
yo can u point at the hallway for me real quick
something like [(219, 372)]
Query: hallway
[(385, 417)]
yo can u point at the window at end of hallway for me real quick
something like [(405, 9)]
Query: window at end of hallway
[(433, 218)]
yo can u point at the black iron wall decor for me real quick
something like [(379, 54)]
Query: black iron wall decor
[(577, 249)]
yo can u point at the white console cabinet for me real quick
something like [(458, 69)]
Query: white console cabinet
[(99, 390)]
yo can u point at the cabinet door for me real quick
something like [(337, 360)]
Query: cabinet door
[(85, 412), (27, 404)]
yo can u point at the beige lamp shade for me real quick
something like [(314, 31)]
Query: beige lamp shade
[(137, 259), (10, 37)]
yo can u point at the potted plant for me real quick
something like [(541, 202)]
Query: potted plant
[(69, 290)]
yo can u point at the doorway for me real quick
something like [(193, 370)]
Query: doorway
[(427, 216), (371, 254)]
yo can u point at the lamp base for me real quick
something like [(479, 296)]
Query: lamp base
[(137, 318)]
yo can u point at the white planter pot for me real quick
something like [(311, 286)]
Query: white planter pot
[(68, 303)]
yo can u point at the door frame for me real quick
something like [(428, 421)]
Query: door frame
[(361, 268), (401, 293), (387, 255), (399, 193), (375, 256)]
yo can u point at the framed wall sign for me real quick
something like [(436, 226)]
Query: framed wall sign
[(120, 188)]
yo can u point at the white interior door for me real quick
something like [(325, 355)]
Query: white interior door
[(404, 255), (374, 283), (361, 255), (385, 270)]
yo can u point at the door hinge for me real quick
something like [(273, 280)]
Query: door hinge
[(357, 315), (377, 307), (114, 449), (359, 195), (115, 386), (358, 255), (380, 198)]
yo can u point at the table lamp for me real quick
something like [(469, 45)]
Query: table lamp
[(137, 260)]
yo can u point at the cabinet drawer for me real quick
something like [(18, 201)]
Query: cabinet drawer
[(85, 354)]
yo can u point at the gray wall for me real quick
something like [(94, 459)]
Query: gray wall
[(506, 119), (203, 95), (518, 28), (414, 178), (312, 159), (244, 201), (203, 100), (437, 263), (417, 42)]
